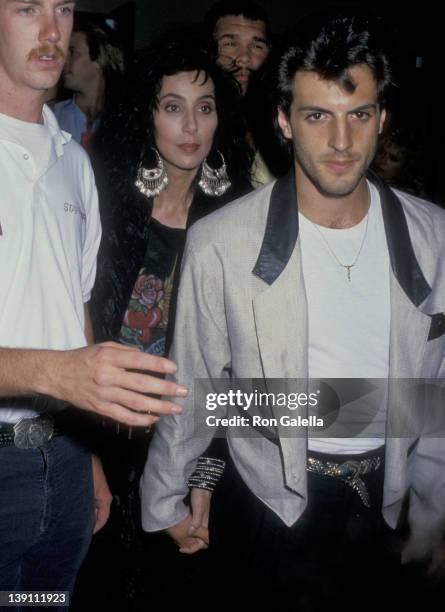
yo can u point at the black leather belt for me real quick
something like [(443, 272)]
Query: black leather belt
[(349, 471), (352, 469), (29, 432)]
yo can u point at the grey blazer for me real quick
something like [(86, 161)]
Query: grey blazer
[(242, 266)]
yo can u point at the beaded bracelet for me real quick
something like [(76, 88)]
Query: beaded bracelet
[(207, 473)]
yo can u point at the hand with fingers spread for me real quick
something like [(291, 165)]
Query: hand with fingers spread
[(114, 381)]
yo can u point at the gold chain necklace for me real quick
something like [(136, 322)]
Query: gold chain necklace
[(347, 267)]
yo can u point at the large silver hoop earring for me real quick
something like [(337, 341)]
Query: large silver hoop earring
[(214, 181), (151, 181)]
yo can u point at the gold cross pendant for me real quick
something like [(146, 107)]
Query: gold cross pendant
[(348, 271)]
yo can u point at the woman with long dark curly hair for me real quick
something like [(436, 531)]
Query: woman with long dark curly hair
[(180, 120), (171, 150)]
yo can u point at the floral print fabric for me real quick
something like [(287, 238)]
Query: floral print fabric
[(146, 318)]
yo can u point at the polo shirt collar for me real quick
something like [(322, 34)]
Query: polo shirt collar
[(59, 137)]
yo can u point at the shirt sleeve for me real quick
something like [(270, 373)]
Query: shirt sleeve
[(93, 231)]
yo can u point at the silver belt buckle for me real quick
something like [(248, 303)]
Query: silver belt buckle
[(349, 472), (349, 469), (33, 432)]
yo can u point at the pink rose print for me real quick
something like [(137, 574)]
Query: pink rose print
[(148, 290)]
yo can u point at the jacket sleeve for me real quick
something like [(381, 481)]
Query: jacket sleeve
[(201, 351)]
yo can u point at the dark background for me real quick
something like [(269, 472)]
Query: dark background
[(418, 42)]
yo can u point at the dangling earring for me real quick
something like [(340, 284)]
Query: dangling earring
[(151, 181), (214, 181)]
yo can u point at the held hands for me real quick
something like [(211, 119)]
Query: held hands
[(192, 533), (113, 380)]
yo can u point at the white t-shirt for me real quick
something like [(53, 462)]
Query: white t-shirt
[(49, 237), (349, 321)]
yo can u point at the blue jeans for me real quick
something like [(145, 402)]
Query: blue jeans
[(47, 515)]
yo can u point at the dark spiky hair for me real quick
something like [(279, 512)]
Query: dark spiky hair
[(330, 43)]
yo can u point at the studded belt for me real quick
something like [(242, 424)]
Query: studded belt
[(349, 471), (29, 432)]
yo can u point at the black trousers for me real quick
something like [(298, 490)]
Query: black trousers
[(339, 555)]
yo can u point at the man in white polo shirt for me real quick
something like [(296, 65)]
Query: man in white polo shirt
[(49, 236)]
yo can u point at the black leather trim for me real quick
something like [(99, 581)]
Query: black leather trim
[(281, 230), (281, 236), (403, 259), (437, 328)]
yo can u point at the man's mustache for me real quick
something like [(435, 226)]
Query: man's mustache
[(230, 64), (52, 50), (237, 68)]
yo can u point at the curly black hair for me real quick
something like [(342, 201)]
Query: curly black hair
[(126, 135)]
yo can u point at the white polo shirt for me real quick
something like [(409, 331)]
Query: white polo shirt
[(49, 238)]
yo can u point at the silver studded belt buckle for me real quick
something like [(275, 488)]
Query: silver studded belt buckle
[(349, 469), (349, 472), (33, 432)]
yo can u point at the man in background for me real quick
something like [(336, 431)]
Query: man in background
[(93, 71), (241, 31), (242, 34)]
